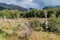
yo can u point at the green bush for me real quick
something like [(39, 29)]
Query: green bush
[(54, 25), (36, 25)]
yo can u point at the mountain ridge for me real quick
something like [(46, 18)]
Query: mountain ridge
[(49, 7), (11, 7)]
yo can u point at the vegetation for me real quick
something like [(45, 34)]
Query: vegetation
[(54, 12), (24, 29), (23, 25)]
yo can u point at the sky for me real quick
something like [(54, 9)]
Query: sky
[(38, 4)]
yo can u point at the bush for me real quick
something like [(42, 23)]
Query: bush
[(36, 25), (54, 25)]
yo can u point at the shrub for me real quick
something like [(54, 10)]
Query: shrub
[(36, 25), (54, 25)]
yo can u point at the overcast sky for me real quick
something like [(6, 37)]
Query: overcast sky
[(32, 3)]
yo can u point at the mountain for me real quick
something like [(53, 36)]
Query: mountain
[(50, 7), (58, 6), (11, 7)]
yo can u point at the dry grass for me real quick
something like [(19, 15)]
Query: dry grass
[(44, 36), (9, 24)]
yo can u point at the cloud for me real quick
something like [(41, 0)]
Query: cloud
[(8, 1), (28, 3), (51, 2), (38, 3), (32, 3)]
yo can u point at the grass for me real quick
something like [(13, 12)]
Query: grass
[(3, 36), (10, 25), (44, 36)]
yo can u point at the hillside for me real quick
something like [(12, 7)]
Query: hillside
[(11, 7), (50, 7)]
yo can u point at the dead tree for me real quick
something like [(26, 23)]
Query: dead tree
[(5, 18), (45, 24)]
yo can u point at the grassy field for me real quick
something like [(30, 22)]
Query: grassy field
[(44, 36), (18, 29)]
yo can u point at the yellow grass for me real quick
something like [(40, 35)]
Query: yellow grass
[(44, 36), (9, 24)]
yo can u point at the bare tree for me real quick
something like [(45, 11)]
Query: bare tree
[(46, 19)]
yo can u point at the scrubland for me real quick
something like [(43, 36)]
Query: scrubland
[(25, 29)]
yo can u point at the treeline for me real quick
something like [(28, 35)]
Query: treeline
[(54, 12)]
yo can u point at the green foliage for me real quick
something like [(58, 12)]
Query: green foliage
[(53, 25), (54, 12), (36, 25), (9, 13)]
